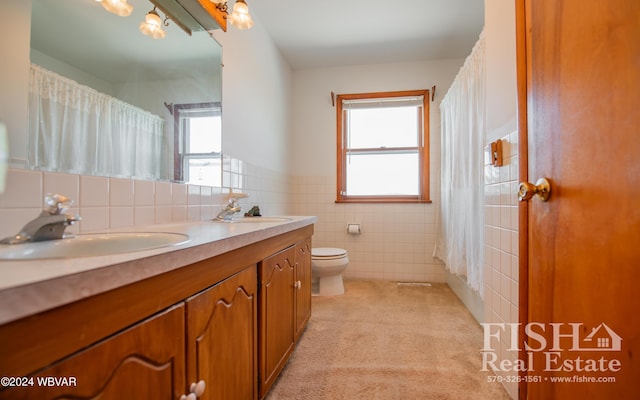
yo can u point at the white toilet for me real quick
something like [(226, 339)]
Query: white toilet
[(327, 266)]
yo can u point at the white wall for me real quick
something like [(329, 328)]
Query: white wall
[(500, 21), (256, 93)]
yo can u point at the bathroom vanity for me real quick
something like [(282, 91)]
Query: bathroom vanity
[(214, 318)]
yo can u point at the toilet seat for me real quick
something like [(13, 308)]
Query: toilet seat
[(327, 253)]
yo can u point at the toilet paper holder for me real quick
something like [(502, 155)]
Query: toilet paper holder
[(353, 229)]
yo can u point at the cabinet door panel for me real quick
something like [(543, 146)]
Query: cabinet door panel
[(303, 278), (276, 315), (145, 361), (222, 338)]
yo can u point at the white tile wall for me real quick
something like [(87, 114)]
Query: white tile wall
[(144, 202), (121, 203), (396, 242), (111, 203), (501, 245), (94, 191)]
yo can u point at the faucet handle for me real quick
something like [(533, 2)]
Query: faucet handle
[(56, 203)]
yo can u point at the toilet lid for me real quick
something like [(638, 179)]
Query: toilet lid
[(327, 252)]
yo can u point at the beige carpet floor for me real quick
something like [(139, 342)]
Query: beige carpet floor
[(384, 341)]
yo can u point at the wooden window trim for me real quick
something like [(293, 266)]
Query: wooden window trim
[(423, 150)]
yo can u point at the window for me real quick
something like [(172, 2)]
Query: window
[(383, 147), (198, 143)]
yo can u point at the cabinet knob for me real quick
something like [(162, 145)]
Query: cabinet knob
[(197, 388), (297, 285)]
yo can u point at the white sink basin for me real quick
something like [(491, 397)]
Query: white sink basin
[(91, 245), (253, 220)]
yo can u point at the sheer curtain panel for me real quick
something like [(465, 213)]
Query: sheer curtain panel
[(459, 225), (76, 129)]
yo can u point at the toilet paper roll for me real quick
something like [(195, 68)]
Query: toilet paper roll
[(353, 229)]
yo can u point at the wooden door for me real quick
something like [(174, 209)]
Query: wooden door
[(303, 286), (145, 361), (222, 332), (276, 315), (579, 92)]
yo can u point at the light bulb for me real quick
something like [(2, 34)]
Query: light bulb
[(240, 17), (117, 7), (152, 25)]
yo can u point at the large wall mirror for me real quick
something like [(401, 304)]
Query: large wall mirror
[(107, 100)]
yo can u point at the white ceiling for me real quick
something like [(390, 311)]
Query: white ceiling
[(309, 33), (321, 33)]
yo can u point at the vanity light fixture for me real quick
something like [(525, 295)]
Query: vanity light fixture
[(152, 25), (239, 17), (117, 7)]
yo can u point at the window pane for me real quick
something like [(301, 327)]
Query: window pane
[(205, 135), (383, 127), (203, 171), (383, 175)]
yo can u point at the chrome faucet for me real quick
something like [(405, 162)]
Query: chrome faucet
[(49, 225), (227, 212)]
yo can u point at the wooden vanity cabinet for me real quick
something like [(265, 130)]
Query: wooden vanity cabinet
[(147, 360), (230, 321)]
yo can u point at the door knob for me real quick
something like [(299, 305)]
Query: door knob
[(527, 190)]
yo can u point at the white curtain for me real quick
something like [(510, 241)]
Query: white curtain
[(76, 129), (459, 224)]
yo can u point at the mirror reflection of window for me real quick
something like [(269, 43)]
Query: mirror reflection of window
[(198, 133)]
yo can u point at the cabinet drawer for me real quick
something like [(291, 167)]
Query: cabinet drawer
[(145, 361)]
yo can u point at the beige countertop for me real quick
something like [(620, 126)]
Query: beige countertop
[(29, 287)]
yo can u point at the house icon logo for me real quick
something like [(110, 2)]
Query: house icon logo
[(601, 338)]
